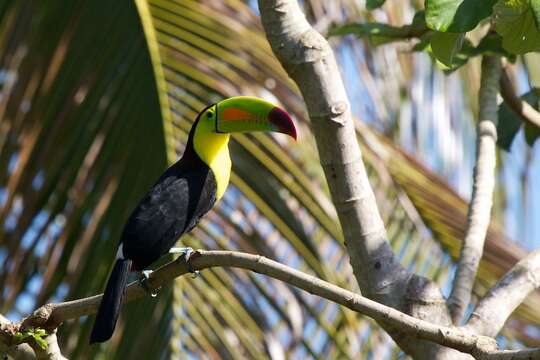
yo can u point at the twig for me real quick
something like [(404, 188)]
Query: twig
[(24, 351), (528, 113), (506, 295), (479, 214)]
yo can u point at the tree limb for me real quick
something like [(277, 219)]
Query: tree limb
[(21, 351), (528, 113), (479, 214), (309, 61), (505, 296), (52, 315), (30, 349)]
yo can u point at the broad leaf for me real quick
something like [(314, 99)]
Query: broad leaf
[(535, 7), (510, 123), (532, 133), (515, 22), (490, 44), (446, 45), (374, 4), (456, 15)]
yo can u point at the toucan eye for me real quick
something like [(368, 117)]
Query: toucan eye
[(209, 114)]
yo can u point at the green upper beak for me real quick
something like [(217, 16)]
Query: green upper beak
[(245, 113)]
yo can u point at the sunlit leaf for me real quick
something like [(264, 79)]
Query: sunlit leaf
[(456, 15)]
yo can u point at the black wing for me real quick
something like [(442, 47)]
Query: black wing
[(172, 207)]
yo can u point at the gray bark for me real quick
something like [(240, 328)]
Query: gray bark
[(309, 61), (479, 214)]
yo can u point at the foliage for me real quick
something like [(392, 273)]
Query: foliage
[(37, 335), (510, 122), (446, 24), (456, 16)]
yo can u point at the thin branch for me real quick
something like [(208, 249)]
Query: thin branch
[(528, 113), (479, 214), (479, 346), (506, 295), (405, 32)]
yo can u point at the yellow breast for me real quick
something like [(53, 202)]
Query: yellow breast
[(213, 149)]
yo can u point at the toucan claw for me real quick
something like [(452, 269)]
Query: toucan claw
[(185, 253), (145, 275)]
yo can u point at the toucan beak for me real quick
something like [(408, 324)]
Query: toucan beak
[(245, 113)]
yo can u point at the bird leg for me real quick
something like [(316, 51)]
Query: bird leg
[(185, 252), (145, 275)]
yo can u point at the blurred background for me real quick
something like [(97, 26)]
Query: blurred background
[(97, 98)]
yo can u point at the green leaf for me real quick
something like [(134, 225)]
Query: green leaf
[(39, 337), (532, 133), (446, 45), (456, 15), (535, 7), (515, 22), (490, 44), (510, 123), (459, 59), (37, 334), (374, 4), (507, 127)]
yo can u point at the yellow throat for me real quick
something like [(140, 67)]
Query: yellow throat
[(213, 149)]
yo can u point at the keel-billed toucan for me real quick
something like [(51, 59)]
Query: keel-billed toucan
[(183, 194)]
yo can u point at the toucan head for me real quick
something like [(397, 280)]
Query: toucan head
[(246, 114), (209, 137)]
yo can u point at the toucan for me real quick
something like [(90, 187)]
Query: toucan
[(183, 194)]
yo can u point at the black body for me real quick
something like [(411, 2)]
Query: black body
[(172, 207)]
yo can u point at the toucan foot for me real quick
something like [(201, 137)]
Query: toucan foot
[(145, 275), (181, 250), (185, 252)]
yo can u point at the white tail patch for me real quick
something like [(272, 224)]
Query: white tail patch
[(120, 252)]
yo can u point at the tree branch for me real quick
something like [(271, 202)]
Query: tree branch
[(52, 315), (506, 295), (30, 349), (479, 214), (21, 351), (522, 108)]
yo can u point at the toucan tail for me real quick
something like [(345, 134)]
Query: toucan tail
[(109, 309)]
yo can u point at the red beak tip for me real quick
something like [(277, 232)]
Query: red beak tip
[(283, 121)]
